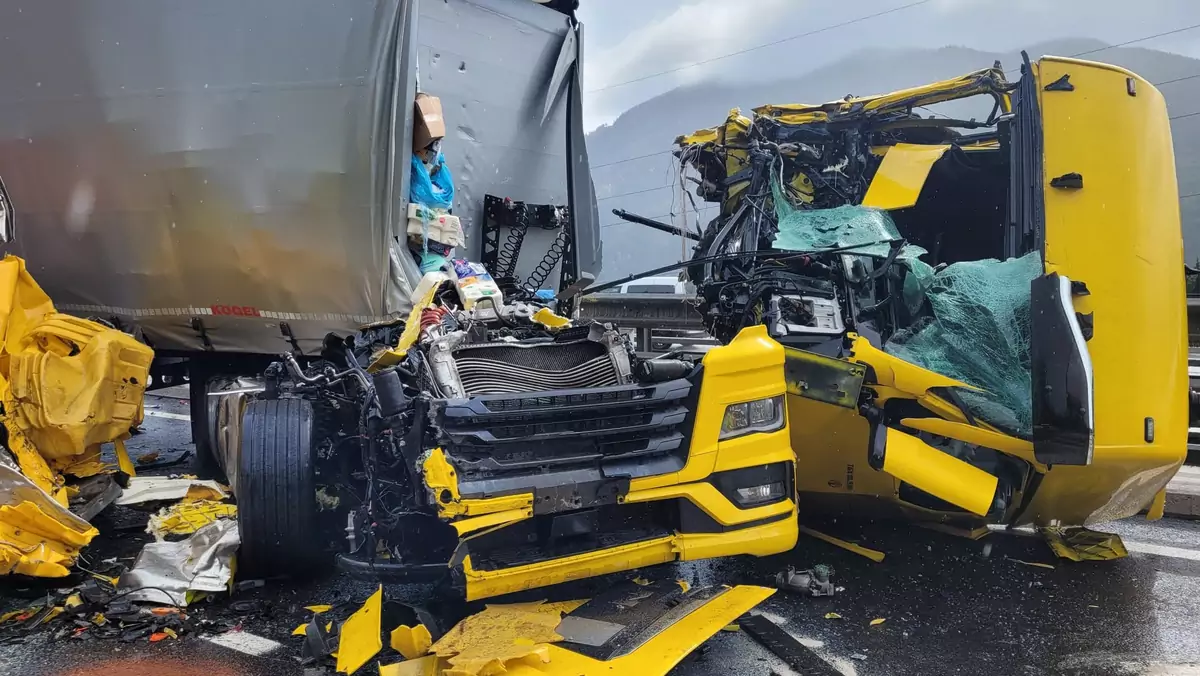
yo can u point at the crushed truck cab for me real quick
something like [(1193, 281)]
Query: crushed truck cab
[(983, 318)]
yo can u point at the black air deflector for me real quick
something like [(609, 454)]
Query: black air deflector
[(1061, 371)]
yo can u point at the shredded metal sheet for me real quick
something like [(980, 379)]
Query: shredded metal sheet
[(166, 571)]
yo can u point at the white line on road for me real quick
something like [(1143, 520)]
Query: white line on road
[(171, 416), (244, 642), (1162, 550)]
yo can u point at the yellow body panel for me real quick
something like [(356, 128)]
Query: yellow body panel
[(937, 473), (360, 637), (901, 176), (1120, 235), (67, 386), (749, 367), (661, 653), (925, 95)]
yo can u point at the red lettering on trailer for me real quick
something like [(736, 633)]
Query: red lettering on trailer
[(235, 311)]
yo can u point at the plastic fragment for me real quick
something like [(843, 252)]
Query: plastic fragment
[(425, 666), (684, 585), (1084, 544), (641, 581), (878, 621), (319, 608), (170, 632), (731, 627), (158, 636), (874, 555), (411, 642), (832, 616), (858, 656), (360, 638), (1033, 563)]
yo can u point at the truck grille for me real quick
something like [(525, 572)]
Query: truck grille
[(504, 368), (492, 436)]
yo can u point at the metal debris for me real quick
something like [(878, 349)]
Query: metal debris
[(813, 581), (151, 489), (167, 571), (188, 516), (1084, 544)]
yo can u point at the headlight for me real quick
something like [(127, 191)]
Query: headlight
[(760, 415)]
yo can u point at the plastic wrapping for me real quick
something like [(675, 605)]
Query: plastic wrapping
[(979, 334), (433, 186)]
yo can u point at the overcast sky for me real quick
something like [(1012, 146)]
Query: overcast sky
[(631, 39)]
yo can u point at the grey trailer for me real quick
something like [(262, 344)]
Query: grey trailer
[(230, 177)]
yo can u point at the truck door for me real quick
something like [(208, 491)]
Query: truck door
[(1096, 191)]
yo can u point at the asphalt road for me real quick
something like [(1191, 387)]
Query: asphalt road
[(951, 606)]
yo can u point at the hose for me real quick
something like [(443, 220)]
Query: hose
[(544, 267), (510, 251)]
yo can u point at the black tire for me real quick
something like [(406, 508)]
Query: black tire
[(277, 508)]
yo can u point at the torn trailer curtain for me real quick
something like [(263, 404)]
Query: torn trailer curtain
[(211, 172)]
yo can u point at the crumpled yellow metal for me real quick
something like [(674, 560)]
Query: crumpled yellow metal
[(67, 386)]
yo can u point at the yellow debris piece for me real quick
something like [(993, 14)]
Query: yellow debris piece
[(483, 643), (684, 585), (641, 581), (319, 608), (38, 536), (430, 665), (1036, 564), (1084, 544), (185, 518), (202, 492), (361, 638), (73, 601), (20, 614), (559, 608), (832, 616), (411, 642), (878, 621), (872, 554), (67, 386), (550, 320)]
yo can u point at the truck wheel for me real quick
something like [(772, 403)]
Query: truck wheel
[(277, 509)]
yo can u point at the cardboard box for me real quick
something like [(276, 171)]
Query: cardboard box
[(428, 124)]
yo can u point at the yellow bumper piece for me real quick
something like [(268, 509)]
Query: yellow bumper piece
[(38, 536)]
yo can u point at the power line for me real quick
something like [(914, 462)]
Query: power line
[(635, 192), (1148, 37), (761, 46), (630, 159), (1180, 117), (1178, 79)]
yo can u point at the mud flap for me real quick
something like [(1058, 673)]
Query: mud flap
[(1063, 415)]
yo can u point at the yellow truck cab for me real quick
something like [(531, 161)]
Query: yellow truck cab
[(982, 320)]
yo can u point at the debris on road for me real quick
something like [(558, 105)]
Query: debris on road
[(872, 554), (1084, 544), (163, 489), (188, 516), (785, 646), (1036, 564), (167, 571), (813, 581), (359, 638), (878, 621)]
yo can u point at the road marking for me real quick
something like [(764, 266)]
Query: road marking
[(171, 416), (1162, 550), (245, 642)]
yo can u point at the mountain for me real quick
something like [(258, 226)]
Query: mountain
[(652, 126)]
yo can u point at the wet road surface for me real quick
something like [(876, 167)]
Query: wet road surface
[(950, 605)]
